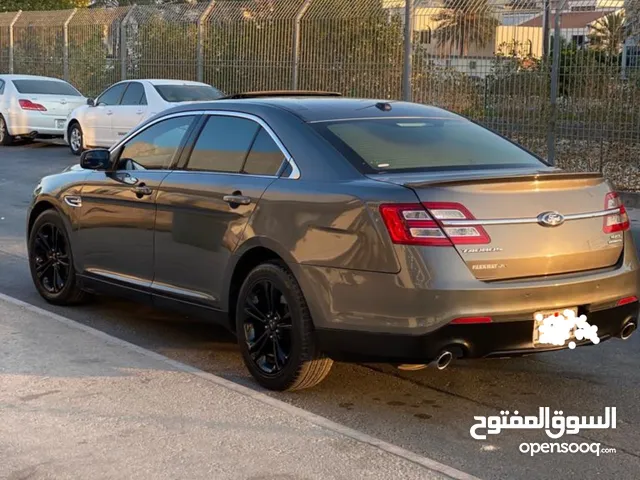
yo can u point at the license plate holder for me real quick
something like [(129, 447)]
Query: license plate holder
[(539, 320)]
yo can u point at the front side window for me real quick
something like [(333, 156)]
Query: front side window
[(1, 87), (45, 87), (134, 95), (425, 144), (112, 96), (223, 144), (155, 147)]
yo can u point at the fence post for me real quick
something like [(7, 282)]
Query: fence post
[(200, 41), (295, 55), (11, 42), (555, 72), (545, 30), (408, 50), (123, 41), (65, 51)]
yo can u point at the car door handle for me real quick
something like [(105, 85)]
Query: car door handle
[(142, 190), (109, 112), (236, 199), (139, 112)]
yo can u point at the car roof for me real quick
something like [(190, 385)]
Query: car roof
[(154, 81), (29, 77), (318, 109)]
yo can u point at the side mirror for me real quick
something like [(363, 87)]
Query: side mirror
[(91, 102), (97, 159)]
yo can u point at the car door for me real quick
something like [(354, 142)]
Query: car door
[(130, 112), (118, 207), (204, 206), (96, 126)]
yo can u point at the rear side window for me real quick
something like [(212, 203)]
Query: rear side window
[(155, 147), (223, 144), (45, 87), (1, 87), (265, 157), (398, 145), (187, 93), (134, 95)]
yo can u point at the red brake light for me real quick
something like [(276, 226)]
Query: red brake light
[(626, 300), (413, 224), (470, 320), (618, 222), (29, 105)]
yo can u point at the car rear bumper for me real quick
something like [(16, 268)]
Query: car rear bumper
[(506, 338)]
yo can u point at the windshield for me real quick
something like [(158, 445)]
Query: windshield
[(393, 145), (45, 87), (187, 93)]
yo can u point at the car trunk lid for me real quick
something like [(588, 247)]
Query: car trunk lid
[(529, 223), (50, 105)]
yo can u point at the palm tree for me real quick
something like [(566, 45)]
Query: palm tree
[(463, 23), (608, 33)]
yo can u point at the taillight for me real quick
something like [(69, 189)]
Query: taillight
[(626, 300), (459, 234), (618, 222), (422, 224), (29, 105)]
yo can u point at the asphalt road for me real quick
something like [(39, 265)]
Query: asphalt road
[(428, 412)]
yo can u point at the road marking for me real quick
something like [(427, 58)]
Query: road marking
[(318, 420)]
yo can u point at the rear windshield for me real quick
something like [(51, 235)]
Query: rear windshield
[(45, 87), (187, 93), (406, 145)]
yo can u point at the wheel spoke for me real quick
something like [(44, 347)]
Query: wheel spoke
[(268, 293), (280, 354), (58, 282), (43, 268), (276, 363), (43, 242), (254, 312), (54, 239), (256, 347), (64, 260)]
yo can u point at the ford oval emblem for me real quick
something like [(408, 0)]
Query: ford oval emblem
[(550, 219)]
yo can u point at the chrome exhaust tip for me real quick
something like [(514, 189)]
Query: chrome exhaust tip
[(443, 360), (628, 330)]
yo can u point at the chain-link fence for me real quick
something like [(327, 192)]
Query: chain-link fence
[(493, 61)]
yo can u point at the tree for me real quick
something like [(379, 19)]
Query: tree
[(26, 5), (607, 34), (463, 23)]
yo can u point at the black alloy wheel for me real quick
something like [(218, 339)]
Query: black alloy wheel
[(275, 331), (51, 261)]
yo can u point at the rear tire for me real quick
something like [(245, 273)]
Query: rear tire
[(5, 138), (275, 331), (76, 139), (51, 261)]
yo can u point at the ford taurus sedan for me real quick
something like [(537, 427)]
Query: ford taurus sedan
[(325, 228)]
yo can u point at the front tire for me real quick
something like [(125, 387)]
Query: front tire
[(5, 138), (76, 139), (51, 261), (275, 331)]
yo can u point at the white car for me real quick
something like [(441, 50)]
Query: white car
[(124, 105), (35, 107)]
